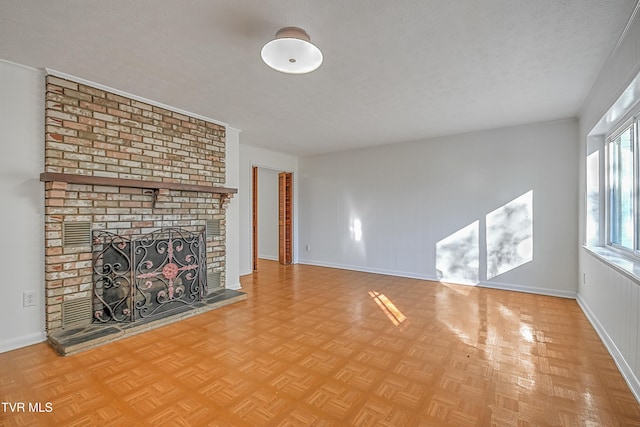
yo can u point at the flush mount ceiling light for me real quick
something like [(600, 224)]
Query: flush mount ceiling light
[(292, 52)]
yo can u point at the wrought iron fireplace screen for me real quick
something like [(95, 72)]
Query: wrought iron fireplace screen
[(146, 276)]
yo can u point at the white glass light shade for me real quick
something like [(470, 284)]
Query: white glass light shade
[(292, 52)]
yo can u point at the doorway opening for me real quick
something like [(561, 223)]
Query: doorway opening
[(273, 202)]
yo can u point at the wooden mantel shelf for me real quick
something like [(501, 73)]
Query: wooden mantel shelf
[(133, 183)]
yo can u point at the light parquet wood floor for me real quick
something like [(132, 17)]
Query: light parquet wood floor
[(315, 346)]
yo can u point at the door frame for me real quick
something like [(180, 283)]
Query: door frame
[(254, 218), (285, 218), (285, 226)]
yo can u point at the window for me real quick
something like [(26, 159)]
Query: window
[(623, 188)]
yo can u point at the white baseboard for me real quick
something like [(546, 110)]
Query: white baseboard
[(623, 366), (411, 275), (268, 257), (386, 272), (529, 289), (23, 341), (234, 286)]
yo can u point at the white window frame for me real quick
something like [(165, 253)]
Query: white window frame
[(632, 123)]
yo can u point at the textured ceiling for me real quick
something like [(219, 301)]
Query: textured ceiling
[(393, 70)]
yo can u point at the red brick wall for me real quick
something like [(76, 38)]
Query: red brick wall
[(90, 131)]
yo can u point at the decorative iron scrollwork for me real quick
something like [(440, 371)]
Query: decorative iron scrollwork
[(112, 284), (149, 275), (168, 270)]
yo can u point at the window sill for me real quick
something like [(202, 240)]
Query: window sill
[(625, 265)]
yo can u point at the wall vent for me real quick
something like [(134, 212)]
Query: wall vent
[(76, 234), (76, 313), (213, 227), (213, 280)]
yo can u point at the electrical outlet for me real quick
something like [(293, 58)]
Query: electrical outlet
[(29, 299), (307, 247)]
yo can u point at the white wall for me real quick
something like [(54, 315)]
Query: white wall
[(22, 261), (424, 209), (249, 157), (610, 298), (232, 158), (268, 214)]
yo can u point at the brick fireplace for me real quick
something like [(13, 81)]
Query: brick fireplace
[(115, 164)]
